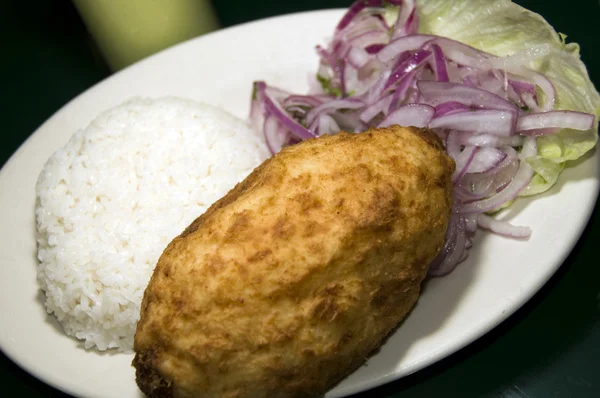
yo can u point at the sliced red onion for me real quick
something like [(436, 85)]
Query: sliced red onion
[(542, 82), (490, 140), (399, 94), (503, 227), (513, 96), (368, 38), (347, 103), (424, 73), (275, 137), (415, 61), (520, 181), (522, 86), (382, 22), (496, 122), (274, 92), (453, 248), (350, 121), (463, 54), (369, 18), (501, 175), (439, 92), (340, 69), (327, 125), (407, 22), (453, 145), (256, 115), (450, 107), (531, 102), (472, 81), (325, 57), (399, 60), (342, 49), (337, 67), (556, 119), (457, 73), (463, 161), (540, 132), (461, 195), (479, 185), (272, 107), (354, 11), (504, 177), (412, 96), (360, 81), (375, 93), (357, 57), (439, 263), (486, 159), (471, 223), (305, 100), (380, 106), (401, 45), (494, 82), (417, 115), (499, 75), (374, 48), (465, 254), (314, 127), (296, 110), (439, 64), (478, 191), (468, 245)]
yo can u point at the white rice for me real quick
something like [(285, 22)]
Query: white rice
[(111, 200)]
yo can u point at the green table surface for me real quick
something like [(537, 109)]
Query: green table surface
[(549, 348)]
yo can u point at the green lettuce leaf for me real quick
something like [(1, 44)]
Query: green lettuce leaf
[(547, 171), (503, 28)]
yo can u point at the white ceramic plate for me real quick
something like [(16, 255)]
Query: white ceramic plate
[(499, 276)]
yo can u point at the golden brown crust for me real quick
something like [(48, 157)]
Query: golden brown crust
[(286, 285), (150, 381)]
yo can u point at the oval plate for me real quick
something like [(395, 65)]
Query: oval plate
[(499, 276)]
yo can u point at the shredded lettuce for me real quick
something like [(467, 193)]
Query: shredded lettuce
[(503, 28)]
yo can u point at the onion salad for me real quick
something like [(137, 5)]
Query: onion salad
[(489, 111)]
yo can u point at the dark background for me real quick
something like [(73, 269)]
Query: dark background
[(549, 348)]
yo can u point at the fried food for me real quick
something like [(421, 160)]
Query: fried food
[(287, 284)]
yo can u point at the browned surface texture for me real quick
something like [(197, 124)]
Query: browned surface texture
[(286, 284)]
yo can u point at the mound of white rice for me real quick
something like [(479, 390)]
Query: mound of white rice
[(111, 200)]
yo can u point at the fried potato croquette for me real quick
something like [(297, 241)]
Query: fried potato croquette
[(288, 283)]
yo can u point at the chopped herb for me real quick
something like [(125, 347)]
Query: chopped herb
[(326, 86), (254, 90)]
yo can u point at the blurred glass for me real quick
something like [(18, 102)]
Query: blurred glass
[(129, 30)]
